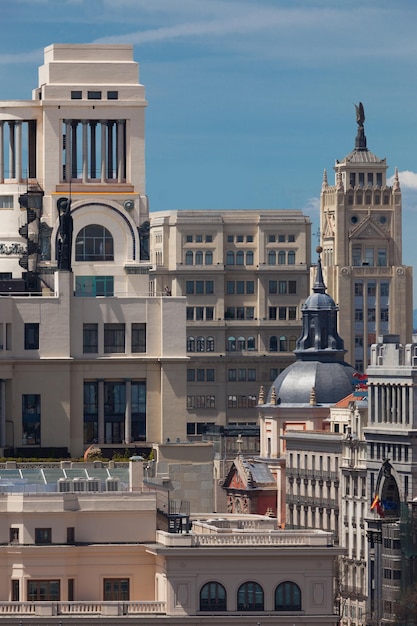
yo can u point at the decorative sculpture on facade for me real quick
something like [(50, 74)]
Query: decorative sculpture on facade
[(65, 234)]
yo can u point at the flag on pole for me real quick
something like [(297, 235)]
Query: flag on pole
[(378, 506)]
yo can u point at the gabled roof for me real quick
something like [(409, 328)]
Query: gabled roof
[(252, 474)]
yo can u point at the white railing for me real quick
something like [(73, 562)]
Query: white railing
[(262, 539), (82, 608)]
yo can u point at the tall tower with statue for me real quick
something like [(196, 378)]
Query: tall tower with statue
[(361, 236)]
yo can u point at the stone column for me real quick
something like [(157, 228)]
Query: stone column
[(103, 150), (93, 148), (1, 152), (12, 155), (101, 433), (120, 150), (85, 150), (3, 413), (128, 410), (74, 155), (68, 150), (110, 149), (18, 156)]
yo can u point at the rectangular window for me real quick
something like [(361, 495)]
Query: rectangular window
[(190, 313), (382, 257), (229, 238), (200, 375), (273, 286), (282, 313), (358, 315), (250, 313), (138, 337), (200, 402), (114, 338), (112, 95), (358, 342), (230, 313), (370, 179), (358, 289), (190, 375), (291, 238), (90, 338), (93, 286), (240, 287), (371, 315), (209, 313), (190, 428), (361, 179), (281, 238), (116, 589), (251, 374), (43, 535), (199, 287), (271, 238), (15, 590), (273, 373), (356, 256), (76, 95), (232, 373), (199, 313), (232, 402), (241, 374), (6, 202), (379, 179), (292, 287), (230, 287), (272, 313), (209, 287), (292, 313), (369, 256), (43, 590), (250, 287), (282, 287), (31, 336), (13, 535), (384, 315), (190, 402), (384, 289), (210, 375), (189, 287), (31, 419), (241, 402), (249, 238), (94, 95), (70, 534)]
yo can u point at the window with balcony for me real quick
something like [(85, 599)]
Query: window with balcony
[(43, 590), (116, 589)]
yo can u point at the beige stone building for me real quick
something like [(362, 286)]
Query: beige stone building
[(80, 542), (245, 276), (361, 236)]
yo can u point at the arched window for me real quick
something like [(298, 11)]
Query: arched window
[(250, 597), (230, 258), (200, 344), (241, 343), (281, 257), (190, 344), (94, 243), (188, 258), (283, 344), (288, 597), (199, 258), (272, 257), (273, 344), (213, 597), (209, 257), (291, 257), (240, 258), (293, 342), (231, 344), (251, 343), (249, 257), (210, 344)]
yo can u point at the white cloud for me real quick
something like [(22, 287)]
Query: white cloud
[(408, 180)]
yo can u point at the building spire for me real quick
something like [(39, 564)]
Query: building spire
[(319, 286), (324, 184), (396, 185)]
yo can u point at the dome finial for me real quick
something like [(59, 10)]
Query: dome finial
[(261, 399), (319, 286)]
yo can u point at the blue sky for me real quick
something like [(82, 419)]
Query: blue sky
[(249, 100)]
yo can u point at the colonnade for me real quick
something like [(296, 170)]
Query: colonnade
[(94, 153), (392, 404), (15, 160)]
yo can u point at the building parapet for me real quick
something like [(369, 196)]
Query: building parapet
[(45, 609), (245, 538)]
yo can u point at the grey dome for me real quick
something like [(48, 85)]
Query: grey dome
[(332, 381)]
